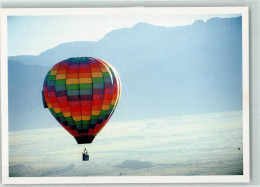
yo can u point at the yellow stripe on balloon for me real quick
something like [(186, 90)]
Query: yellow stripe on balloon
[(97, 74), (113, 102), (76, 118), (85, 80), (72, 81), (57, 110), (61, 76), (104, 69), (85, 117), (94, 112), (105, 107), (66, 114), (53, 72)]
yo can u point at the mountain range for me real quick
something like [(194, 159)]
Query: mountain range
[(165, 71)]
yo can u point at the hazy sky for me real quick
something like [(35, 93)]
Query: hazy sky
[(31, 35)]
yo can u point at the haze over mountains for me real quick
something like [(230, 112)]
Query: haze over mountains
[(165, 71)]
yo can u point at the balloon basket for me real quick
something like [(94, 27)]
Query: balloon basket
[(85, 157)]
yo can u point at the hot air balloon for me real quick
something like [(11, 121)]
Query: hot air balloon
[(82, 94)]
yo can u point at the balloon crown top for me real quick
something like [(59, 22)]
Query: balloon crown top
[(79, 59)]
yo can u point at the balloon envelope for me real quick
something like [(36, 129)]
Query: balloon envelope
[(82, 93)]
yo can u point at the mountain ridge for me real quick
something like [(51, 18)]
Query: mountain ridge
[(138, 25)]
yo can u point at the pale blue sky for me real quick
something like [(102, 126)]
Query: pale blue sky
[(31, 35)]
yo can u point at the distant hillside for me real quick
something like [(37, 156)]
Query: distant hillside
[(19, 170), (25, 99), (164, 71)]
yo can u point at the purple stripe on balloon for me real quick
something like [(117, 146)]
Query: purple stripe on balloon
[(51, 88), (91, 61), (84, 65), (86, 97), (51, 94), (61, 93), (73, 98), (98, 91), (109, 91), (108, 85), (73, 66), (64, 63)]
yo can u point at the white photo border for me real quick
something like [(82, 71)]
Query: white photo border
[(245, 178)]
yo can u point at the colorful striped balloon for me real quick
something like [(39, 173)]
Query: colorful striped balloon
[(82, 94)]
